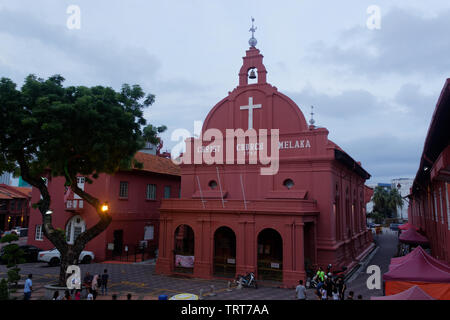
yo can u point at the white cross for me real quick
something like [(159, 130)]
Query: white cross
[(250, 108)]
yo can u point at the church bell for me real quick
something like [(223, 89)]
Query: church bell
[(252, 75)]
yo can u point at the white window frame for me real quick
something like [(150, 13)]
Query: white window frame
[(70, 228), (121, 183), (38, 235), (151, 192)]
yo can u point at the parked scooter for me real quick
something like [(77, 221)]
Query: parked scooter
[(248, 280)]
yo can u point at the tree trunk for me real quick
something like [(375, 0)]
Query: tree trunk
[(68, 257)]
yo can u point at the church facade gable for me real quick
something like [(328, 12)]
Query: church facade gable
[(236, 219)]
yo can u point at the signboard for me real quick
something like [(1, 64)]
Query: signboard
[(111, 246), (231, 261), (275, 265), (184, 261)]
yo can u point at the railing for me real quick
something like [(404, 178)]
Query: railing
[(131, 253), (74, 204)]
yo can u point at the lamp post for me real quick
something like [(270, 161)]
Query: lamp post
[(105, 207)]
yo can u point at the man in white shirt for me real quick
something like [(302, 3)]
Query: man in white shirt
[(300, 291), (28, 288)]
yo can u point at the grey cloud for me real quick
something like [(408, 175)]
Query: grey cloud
[(101, 59), (405, 44)]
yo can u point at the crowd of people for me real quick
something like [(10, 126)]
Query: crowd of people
[(91, 284), (327, 288)]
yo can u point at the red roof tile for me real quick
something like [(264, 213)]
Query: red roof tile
[(157, 164)]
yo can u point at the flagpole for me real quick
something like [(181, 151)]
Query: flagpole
[(243, 192), (220, 186), (201, 194)]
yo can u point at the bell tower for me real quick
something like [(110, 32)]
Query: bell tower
[(252, 60)]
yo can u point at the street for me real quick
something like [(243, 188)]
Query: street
[(141, 281)]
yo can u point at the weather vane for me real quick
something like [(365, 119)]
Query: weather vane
[(252, 40)]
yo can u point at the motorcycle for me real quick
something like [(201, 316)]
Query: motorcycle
[(248, 280)]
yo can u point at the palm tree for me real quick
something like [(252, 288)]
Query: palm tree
[(394, 201)]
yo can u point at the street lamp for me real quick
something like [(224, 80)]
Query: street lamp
[(105, 207), (49, 211)]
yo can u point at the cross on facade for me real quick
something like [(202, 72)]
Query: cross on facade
[(250, 108)]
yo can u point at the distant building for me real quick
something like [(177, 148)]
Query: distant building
[(5, 178), (403, 185), (134, 197), (14, 207)]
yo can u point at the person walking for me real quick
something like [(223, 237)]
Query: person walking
[(335, 294), (28, 288), (67, 295), (300, 291), (323, 291), (90, 296), (341, 288), (55, 295), (350, 295), (94, 286), (104, 282)]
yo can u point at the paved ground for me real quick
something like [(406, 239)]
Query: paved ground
[(143, 284), (387, 243)]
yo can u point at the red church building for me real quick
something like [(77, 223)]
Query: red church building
[(134, 198), (233, 217)]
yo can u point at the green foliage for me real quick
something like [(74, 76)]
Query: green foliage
[(74, 130), (9, 238), (386, 203), (4, 293), (12, 255), (62, 233), (13, 275)]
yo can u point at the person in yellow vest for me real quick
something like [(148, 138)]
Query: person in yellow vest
[(320, 275)]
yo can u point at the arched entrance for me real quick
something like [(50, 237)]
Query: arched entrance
[(184, 249), (75, 226), (224, 253), (270, 255)]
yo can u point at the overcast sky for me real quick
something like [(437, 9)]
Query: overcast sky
[(374, 90)]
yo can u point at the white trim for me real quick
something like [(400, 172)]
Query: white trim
[(38, 236), (73, 224)]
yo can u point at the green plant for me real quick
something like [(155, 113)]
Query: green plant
[(4, 293), (13, 275), (9, 238), (12, 256)]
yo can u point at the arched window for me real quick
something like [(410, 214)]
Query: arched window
[(75, 226)]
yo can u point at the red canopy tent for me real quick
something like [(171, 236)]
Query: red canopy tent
[(413, 255), (413, 293), (411, 236), (407, 226), (418, 269)]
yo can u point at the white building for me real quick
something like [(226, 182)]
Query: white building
[(403, 185), (5, 178)]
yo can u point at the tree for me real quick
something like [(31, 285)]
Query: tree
[(48, 129), (386, 202), (12, 256), (4, 292)]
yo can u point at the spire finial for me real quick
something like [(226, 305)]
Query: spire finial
[(312, 121), (252, 42)]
